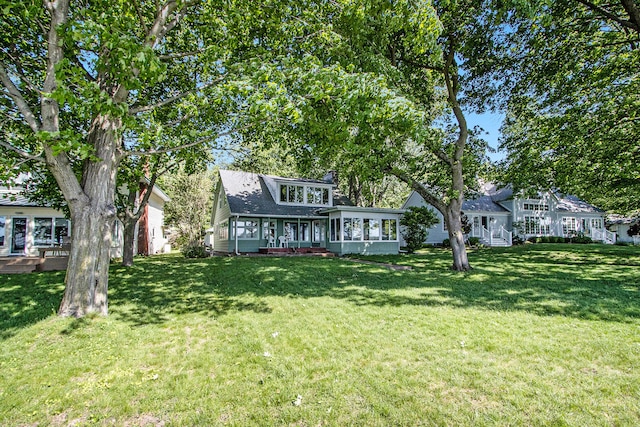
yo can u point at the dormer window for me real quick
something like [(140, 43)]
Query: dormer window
[(305, 195)]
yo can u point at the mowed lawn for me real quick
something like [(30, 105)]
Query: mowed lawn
[(539, 335)]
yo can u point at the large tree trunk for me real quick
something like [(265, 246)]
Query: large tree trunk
[(92, 217), (129, 237), (453, 218)]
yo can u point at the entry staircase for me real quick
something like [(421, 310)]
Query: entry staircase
[(498, 237)]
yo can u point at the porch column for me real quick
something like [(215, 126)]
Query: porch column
[(299, 232)]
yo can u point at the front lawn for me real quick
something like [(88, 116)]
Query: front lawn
[(534, 335)]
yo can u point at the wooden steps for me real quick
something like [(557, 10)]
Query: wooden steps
[(296, 251), (18, 265), (21, 265)]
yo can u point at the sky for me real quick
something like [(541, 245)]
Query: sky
[(491, 123)]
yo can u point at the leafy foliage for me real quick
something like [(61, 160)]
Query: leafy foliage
[(572, 81), (416, 221)]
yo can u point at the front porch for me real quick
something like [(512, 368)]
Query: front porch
[(19, 265)]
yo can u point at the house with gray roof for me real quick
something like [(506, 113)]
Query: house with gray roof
[(496, 215), (271, 214)]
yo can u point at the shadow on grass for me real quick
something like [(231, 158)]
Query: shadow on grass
[(591, 282)]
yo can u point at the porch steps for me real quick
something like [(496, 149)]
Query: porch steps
[(18, 265), (296, 251), (501, 243)]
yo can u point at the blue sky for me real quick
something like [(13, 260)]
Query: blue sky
[(491, 123)]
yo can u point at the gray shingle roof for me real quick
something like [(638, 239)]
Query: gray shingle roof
[(483, 203), (576, 205), (248, 194), (17, 199)]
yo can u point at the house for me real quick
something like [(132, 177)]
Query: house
[(27, 227), (621, 225), (262, 213), (496, 215)]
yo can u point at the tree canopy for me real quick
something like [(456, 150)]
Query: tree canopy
[(572, 72)]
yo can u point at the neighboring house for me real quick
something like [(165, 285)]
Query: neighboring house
[(253, 212), (621, 225), (26, 227), (496, 215)]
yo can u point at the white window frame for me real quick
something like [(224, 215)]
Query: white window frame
[(310, 194), (246, 225), (3, 230)]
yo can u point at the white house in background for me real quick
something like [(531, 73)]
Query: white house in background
[(26, 227), (496, 215), (621, 225)]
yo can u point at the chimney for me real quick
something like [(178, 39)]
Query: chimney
[(331, 177)]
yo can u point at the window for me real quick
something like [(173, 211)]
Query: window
[(389, 229), (61, 230), (371, 229), (42, 232), (223, 231), (246, 229), (300, 194), (334, 231), (268, 229), (569, 225), (3, 224), (536, 225), (295, 233), (596, 223), (536, 207)]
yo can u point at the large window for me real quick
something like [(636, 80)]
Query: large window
[(246, 229), (569, 225), (389, 229), (363, 229), (50, 231), (304, 194), (3, 225), (295, 233), (596, 223), (536, 225)]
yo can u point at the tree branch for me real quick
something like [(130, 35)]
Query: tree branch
[(419, 188), (179, 54), (605, 13), (22, 153), (136, 6), (181, 147), (19, 101)]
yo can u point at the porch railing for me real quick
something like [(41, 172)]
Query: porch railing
[(603, 235), (495, 235)]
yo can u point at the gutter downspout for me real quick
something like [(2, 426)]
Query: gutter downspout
[(235, 233)]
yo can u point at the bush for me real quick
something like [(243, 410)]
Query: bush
[(446, 243), (620, 243), (517, 240), (194, 251), (581, 239), (474, 241), (416, 222), (558, 239)]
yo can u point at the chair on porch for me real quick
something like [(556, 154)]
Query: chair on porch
[(284, 242), (271, 242)]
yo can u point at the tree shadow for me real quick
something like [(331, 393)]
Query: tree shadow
[(588, 283)]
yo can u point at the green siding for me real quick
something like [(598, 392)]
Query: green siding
[(364, 248)]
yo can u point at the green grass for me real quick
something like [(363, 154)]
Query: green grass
[(539, 335)]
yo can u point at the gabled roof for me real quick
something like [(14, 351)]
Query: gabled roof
[(249, 194), (482, 203), (15, 198), (566, 203), (575, 205)]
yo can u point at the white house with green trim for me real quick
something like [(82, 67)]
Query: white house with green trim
[(264, 213), (496, 215)]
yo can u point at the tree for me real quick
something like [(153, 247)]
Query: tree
[(189, 210), (86, 84), (571, 78), (393, 104), (417, 220)]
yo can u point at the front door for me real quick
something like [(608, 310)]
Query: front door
[(485, 222), (18, 235), (320, 233)]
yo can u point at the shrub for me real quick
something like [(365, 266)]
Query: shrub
[(446, 243), (558, 239), (416, 222), (517, 240), (620, 243), (474, 241), (194, 251), (582, 239)]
